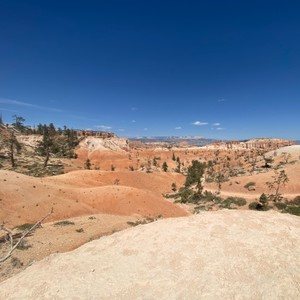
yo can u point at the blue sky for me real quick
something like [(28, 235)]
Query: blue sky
[(220, 69)]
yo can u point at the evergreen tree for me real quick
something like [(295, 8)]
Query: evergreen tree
[(280, 179), (11, 141), (46, 145), (40, 129), (87, 164), (18, 122), (164, 167), (194, 176), (174, 187), (219, 179), (51, 129), (178, 167), (195, 173), (154, 162)]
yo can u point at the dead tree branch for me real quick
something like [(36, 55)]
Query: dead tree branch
[(9, 233)]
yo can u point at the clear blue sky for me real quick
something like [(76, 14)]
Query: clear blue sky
[(221, 69)]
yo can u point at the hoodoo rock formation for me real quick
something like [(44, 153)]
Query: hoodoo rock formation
[(253, 144), (95, 144)]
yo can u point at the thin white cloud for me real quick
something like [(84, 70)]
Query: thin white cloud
[(145, 129), (216, 124), (198, 123), (103, 127), (26, 104), (134, 108), (133, 121), (220, 128), (10, 110), (121, 130), (178, 128)]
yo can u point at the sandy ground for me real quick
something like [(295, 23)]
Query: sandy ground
[(235, 187), (53, 238), (98, 202), (214, 255), (25, 199), (293, 150)]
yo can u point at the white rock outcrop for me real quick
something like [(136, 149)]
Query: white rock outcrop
[(213, 255), (110, 144)]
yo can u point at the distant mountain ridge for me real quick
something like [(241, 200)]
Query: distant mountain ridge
[(192, 140)]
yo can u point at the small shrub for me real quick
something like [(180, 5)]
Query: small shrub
[(64, 223), (210, 197), (164, 167), (263, 199), (280, 205), (138, 223), (150, 220), (145, 221), (79, 230), (254, 205), (24, 245), (294, 210), (226, 203), (199, 208), (132, 223), (251, 183), (258, 206), (296, 200), (174, 196), (233, 200), (174, 187), (87, 164), (239, 201), (25, 226), (209, 180), (16, 262), (185, 194)]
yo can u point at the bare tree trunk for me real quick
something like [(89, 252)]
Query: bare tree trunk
[(47, 158), (12, 159), (277, 191)]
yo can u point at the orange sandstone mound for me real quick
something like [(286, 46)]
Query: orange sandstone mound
[(25, 199)]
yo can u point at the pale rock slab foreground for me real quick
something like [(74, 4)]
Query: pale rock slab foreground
[(213, 255)]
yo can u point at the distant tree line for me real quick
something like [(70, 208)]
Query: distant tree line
[(55, 141)]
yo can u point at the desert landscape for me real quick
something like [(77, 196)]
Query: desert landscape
[(111, 184), (149, 150)]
